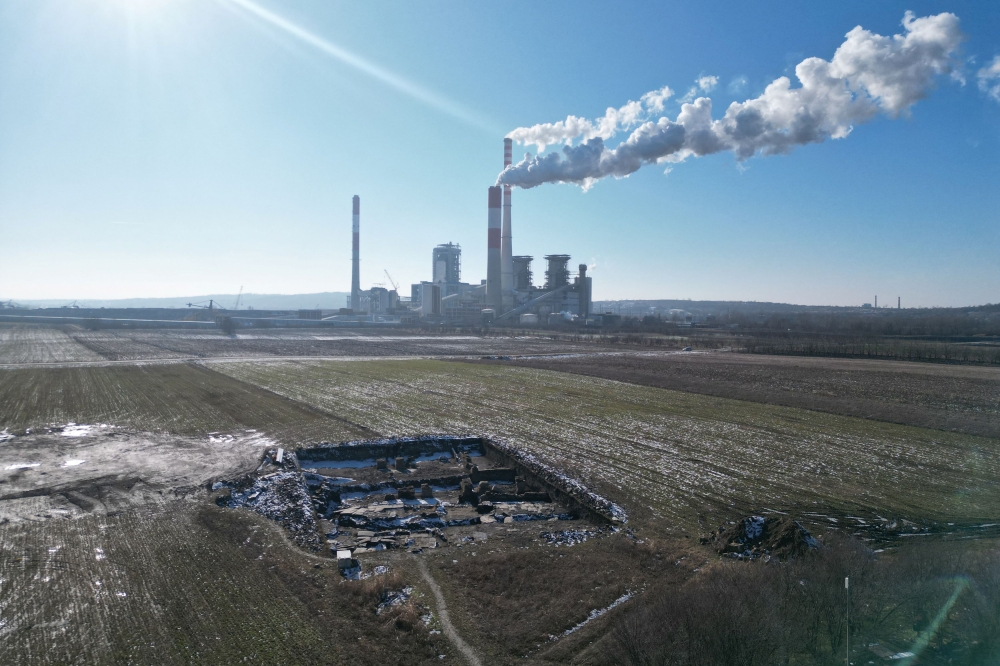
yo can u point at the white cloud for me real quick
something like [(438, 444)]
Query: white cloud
[(655, 99), (737, 85), (868, 74), (707, 83), (702, 84), (989, 78)]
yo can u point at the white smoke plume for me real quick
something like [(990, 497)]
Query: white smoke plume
[(868, 74), (564, 131)]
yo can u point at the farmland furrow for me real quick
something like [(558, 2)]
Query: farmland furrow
[(676, 450)]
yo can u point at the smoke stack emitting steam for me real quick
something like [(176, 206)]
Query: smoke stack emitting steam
[(868, 74), (356, 256), (506, 252), (493, 282)]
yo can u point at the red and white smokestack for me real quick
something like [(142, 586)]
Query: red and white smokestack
[(506, 251), (356, 257), (494, 297)]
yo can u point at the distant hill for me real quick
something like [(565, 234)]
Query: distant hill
[(652, 306), (326, 300)]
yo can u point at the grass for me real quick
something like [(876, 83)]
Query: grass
[(668, 456), (515, 600)]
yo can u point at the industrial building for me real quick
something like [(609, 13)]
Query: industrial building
[(507, 295)]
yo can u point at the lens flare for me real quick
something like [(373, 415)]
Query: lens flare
[(426, 97)]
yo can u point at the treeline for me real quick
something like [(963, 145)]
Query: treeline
[(939, 602), (973, 322), (940, 323), (869, 346)]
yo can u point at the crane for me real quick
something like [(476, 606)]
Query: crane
[(238, 297), (200, 304), (391, 281)]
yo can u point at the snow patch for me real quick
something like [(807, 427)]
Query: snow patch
[(81, 429), (596, 613), (394, 599)]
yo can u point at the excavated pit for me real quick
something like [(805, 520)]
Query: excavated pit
[(409, 493)]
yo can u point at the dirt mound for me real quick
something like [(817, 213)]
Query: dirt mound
[(282, 497), (756, 537)]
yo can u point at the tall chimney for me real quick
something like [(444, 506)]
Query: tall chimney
[(507, 253), (494, 298), (356, 257)]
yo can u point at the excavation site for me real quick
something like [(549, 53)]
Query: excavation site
[(413, 494)]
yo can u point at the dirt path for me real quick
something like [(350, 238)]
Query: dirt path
[(210, 359), (281, 359), (449, 628)]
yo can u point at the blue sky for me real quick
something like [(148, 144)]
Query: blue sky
[(172, 147)]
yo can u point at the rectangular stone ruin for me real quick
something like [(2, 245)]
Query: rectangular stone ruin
[(409, 493), (436, 483)]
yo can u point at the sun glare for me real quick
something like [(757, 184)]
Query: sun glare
[(144, 9)]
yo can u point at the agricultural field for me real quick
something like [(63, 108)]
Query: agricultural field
[(30, 344), (673, 457), (112, 549), (945, 397), (182, 399), (24, 344), (175, 584)]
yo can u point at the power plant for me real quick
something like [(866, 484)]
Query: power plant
[(507, 295)]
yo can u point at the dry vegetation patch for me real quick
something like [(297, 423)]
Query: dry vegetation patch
[(521, 601), (931, 603)]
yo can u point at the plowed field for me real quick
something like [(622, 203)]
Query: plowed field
[(946, 397), (29, 344), (180, 398), (667, 455)]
